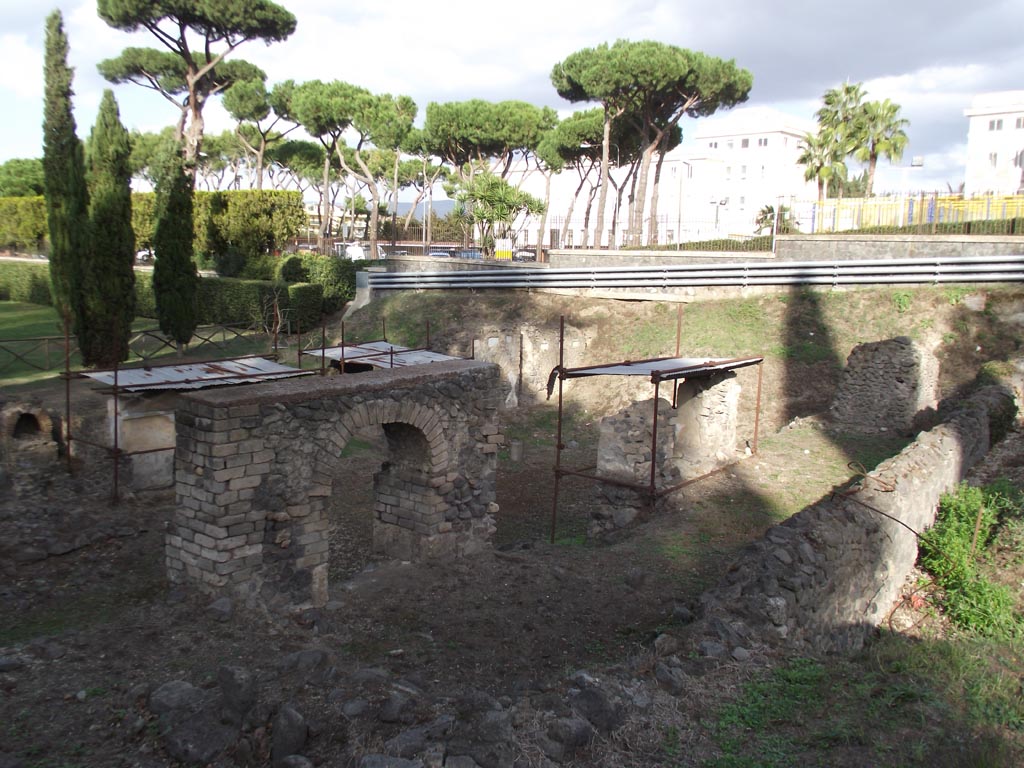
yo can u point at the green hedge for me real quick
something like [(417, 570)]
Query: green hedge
[(337, 276), (22, 281), (305, 300), (23, 223), (231, 301), (245, 222)]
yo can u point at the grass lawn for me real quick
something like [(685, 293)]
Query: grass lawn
[(32, 344)]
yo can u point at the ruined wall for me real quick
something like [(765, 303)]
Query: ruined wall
[(884, 386), (696, 437), (254, 466), (830, 574)]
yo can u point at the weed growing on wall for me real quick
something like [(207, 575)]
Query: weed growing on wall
[(951, 550)]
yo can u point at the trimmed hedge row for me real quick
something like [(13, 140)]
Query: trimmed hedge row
[(223, 300), (229, 300), (22, 281), (233, 226), (23, 222)]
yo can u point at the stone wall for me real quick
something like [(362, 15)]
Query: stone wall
[(885, 386), (254, 466), (696, 437), (830, 574)]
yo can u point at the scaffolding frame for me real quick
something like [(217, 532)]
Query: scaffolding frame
[(667, 372)]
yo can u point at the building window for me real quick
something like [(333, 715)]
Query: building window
[(762, 171), (1020, 122), (568, 238), (763, 142), (743, 171), (744, 143), (743, 201), (713, 144), (728, 171), (993, 159), (995, 125), (729, 145)]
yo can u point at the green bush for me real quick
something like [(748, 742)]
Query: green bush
[(337, 276), (305, 300), (145, 299), (229, 300), (21, 281), (262, 267), (23, 223), (291, 269), (966, 523)]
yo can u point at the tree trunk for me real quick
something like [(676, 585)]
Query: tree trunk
[(603, 195), (325, 217), (586, 216), (636, 223), (872, 162), (652, 226), (544, 216)]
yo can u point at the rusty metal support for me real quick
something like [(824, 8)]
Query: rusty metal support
[(67, 387), (341, 363), (384, 328), (679, 327), (757, 405), (323, 348), (116, 497), (654, 446), (558, 433)]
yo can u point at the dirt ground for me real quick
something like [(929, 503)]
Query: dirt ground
[(85, 636)]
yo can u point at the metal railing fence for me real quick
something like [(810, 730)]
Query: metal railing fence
[(965, 269)]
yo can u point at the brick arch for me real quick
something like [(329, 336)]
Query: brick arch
[(379, 413), (254, 468)]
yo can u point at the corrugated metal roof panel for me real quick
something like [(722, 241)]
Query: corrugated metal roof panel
[(380, 354), (247, 370)]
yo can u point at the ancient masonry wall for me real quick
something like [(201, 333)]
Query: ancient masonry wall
[(830, 574), (698, 436), (885, 386), (255, 465)]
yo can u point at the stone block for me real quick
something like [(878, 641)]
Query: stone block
[(240, 483)]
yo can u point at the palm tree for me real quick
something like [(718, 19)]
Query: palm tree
[(883, 136), (823, 158), (841, 117)]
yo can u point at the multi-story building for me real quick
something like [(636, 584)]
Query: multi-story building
[(737, 163), (711, 186), (995, 144)]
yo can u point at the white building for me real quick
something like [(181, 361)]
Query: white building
[(711, 186), (738, 163), (995, 144)]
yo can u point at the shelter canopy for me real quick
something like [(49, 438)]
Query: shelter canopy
[(246, 370), (380, 354)]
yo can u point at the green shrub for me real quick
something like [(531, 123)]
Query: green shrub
[(337, 276), (145, 299), (27, 282), (291, 269), (305, 300), (263, 267), (23, 223), (229, 300), (966, 523)]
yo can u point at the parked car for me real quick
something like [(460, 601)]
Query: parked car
[(524, 255), (440, 254), (469, 253)]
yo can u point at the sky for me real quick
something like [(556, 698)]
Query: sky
[(929, 56)]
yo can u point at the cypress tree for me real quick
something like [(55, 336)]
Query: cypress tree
[(67, 198), (108, 294), (174, 273)]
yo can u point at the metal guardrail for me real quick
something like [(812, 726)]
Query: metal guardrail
[(963, 269)]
